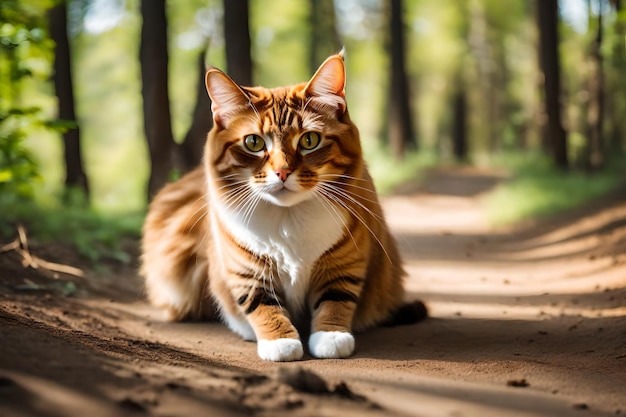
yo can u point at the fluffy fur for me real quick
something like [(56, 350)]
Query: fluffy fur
[(280, 226)]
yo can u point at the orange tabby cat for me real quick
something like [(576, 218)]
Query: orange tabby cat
[(281, 225)]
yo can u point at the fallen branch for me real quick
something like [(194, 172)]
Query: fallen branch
[(20, 246)]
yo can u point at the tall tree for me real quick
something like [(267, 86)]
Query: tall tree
[(481, 52), (62, 78), (156, 105), (548, 24), (616, 103), (400, 117), (324, 39), (191, 148), (459, 94), (459, 122), (237, 37), (595, 109)]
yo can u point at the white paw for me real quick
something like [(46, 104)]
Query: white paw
[(331, 344), (280, 350)]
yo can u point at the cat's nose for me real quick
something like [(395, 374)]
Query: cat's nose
[(283, 173)]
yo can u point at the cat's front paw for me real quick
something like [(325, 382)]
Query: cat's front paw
[(280, 350), (331, 344)]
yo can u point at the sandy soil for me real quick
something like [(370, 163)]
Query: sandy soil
[(524, 322)]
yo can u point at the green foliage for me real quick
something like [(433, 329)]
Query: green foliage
[(95, 235), (108, 99), (537, 189), (107, 85), (388, 173), (18, 171), (279, 31), (26, 54), (23, 47)]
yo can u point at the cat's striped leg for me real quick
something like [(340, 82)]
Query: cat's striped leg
[(333, 306), (277, 338)]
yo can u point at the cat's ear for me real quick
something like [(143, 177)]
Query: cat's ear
[(327, 87), (227, 98)]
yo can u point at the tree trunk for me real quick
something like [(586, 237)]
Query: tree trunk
[(156, 106), (237, 38), (400, 118), (485, 97), (616, 99), (324, 38), (547, 20), (62, 78), (595, 110), (191, 149), (459, 123)]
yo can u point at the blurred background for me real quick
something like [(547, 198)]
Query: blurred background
[(103, 101)]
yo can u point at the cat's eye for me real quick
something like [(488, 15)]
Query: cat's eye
[(309, 140), (254, 143)]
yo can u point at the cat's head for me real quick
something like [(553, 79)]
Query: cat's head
[(283, 145)]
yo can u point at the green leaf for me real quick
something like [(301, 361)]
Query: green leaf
[(61, 125), (5, 175)]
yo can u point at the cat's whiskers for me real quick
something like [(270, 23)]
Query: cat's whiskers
[(335, 215), (235, 196), (202, 207), (237, 192), (306, 104), (255, 110), (231, 184), (329, 193), (202, 216), (350, 177), (225, 177), (345, 184), (349, 195), (230, 196), (252, 203), (238, 202), (201, 245), (235, 187), (234, 199)]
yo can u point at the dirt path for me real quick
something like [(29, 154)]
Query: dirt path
[(524, 323)]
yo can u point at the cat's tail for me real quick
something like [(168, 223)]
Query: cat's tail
[(408, 313)]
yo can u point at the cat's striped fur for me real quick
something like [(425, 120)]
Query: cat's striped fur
[(281, 224)]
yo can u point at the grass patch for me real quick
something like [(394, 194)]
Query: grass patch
[(95, 235), (388, 172), (537, 189)]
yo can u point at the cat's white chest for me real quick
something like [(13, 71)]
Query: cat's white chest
[(293, 237)]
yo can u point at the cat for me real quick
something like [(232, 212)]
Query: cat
[(280, 225)]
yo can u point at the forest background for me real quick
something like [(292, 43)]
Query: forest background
[(102, 100)]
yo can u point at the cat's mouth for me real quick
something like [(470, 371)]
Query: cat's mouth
[(281, 192), (281, 195), (278, 188)]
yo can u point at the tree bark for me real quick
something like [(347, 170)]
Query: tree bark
[(595, 110), (400, 118), (237, 38), (616, 99), (484, 81), (547, 20), (62, 78), (459, 123), (156, 106), (191, 149), (324, 37)]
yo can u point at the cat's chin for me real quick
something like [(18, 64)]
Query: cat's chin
[(285, 197)]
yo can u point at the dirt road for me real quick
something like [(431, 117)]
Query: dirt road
[(528, 322)]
